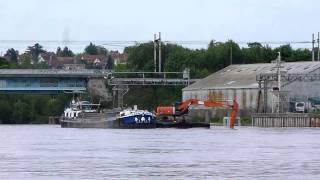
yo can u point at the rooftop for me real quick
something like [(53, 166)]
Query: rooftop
[(244, 75)]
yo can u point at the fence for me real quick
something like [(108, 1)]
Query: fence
[(285, 120)]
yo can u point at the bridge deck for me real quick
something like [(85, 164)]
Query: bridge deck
[(52, 73), (149, 81), (61, 79)]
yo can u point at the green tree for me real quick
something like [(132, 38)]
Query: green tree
[(35, 51), (140, 57), (4, 63), (110, 62), (6, 110), (12, 55), (66, 52), (301, 55), (177, 59), (21, 112), (102, 50), (286, 52), (59, 52), (120, 68), (220, 55), (26, 63), (55, 106), (91, 49)]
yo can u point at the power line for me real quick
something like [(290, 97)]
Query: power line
[(125, 42)]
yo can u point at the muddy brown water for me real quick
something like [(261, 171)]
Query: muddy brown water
[(51, 152)]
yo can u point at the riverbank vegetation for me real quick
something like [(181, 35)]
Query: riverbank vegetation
[(30, 108)]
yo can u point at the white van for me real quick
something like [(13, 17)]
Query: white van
[(300, 107)]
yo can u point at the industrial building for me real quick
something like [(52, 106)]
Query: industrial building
[(240, 82)]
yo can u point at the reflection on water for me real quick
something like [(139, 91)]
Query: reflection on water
[(51, 152)]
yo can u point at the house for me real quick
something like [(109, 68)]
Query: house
[(119, 58), (46, 57), (56, 62), (96, 60)]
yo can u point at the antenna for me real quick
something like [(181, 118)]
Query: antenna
[(159, 51), (231, 55), (313, 47), (279, 70), (155, 52), (318, 41)]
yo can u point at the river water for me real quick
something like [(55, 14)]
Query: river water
[(51, 152)]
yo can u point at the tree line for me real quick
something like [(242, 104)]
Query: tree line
[(29, 59), (216, 56), (30, 108)]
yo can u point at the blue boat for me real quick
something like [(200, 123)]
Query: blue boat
[(136, 119)]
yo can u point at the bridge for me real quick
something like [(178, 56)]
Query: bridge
[(57, 80), (150, 78), (44, 80)]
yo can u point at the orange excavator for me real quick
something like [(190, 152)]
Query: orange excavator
[(182, 109)]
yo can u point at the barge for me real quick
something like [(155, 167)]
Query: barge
[(87, 115)]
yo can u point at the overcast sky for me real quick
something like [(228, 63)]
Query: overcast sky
[(178, 20)]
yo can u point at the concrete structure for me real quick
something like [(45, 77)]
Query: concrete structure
[(286, 120), (94, 80), (74, 66), (51, 80), (239, 81)]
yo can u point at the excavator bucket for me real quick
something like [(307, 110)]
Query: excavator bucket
[(233, 114)]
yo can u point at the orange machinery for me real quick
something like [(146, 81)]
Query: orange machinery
[(183, 108)]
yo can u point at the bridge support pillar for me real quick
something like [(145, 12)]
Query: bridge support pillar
[(118, 93), (97, 86)]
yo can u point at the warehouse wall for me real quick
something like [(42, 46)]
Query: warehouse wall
[(246, 98), (304, 89)]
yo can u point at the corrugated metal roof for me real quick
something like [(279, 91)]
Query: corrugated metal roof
[(244, 75)]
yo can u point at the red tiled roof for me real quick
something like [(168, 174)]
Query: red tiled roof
[(92, 58), (47, 56), (60, 61)]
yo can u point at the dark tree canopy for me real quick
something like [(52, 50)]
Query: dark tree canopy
[(110, 62), (91, 49), (218, 55), (66, 52), (12, 55), (4, 63), (35, 51)]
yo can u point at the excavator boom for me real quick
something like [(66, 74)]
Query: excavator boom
[(184, 107)]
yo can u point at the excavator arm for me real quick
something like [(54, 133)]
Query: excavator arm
[(183, 108)]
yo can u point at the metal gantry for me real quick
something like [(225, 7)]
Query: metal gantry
[(122, 80), (150, 78), (265, 79)]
